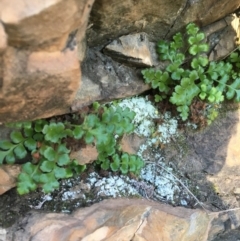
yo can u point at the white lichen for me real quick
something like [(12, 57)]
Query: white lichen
[(145, 113)]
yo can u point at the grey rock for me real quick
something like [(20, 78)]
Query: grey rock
[(103, 79), (133, 50)]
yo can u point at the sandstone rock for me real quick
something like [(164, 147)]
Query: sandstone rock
[(8, 175), (43, 23), (159, 19), (104, 79), (40, 69), (116, 220), (85, 155), (3, 38), (131, 143), (133, 50), (38, 84)]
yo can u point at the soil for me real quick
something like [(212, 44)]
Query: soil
[(198, 155)]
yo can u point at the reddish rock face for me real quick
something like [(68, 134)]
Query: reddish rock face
[(39, 60), (113, 220), (8, 175), (37, 84)]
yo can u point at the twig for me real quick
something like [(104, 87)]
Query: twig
[(224, 211), (196, 199)]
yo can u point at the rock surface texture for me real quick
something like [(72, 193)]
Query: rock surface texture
[(8, 175), (113, 220), (40, 69), (41, 49), (111, 19)]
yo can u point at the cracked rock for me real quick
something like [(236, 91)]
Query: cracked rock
[(134, 50), (118, 219)]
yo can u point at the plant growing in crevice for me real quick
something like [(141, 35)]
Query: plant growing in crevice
[(191, 76), (50, 160)]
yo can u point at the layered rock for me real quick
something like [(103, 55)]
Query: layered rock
[(40, 68), (116, 220), (111, 19)]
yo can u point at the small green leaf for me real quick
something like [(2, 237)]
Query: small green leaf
[(10, 158), (124, 168), (96, 106), (203, 87), (196, 39), (39, 124), (38, 137), (89, 138), (63, 160), (2, 156), (28, 132), (49, 153), (105, 164), (116, 163), (91, 120), (192, 29), (196, 49), (60, 172), (78, 132), (16, 137), (211, 98), (6, 145), (47, 166), (62, 149), (176, 75), (157, 98), (51, 186), (20, 151), (28, 167), (80, 168), (54, 132), (31, 144), (25, 184)]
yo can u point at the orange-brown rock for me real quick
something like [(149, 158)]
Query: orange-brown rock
[(85, 155), (8, 175), (3, 38), (39, 59), (37, 84), (116, 220), (42, 24)]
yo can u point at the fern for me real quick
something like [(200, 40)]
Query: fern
[(45, 141), (183, 82)]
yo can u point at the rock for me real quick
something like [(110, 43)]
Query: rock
[(159, 19), (39, 61), (3, 234), (133, 50), (3, 38), (41, 24), (88, 154), (38, 84), (203, 12), (225, 41), (227, 179), (116, 220), (8, 175), (131, 143), (85, 155), (104, 79)]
